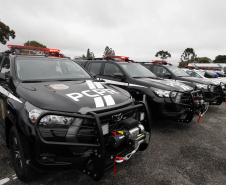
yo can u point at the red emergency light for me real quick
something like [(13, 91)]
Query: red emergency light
[(159, 61), (113, 56), (33, 48)]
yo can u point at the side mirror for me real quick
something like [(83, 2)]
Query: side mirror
[(2, 77), (118, 75), (93, 75)]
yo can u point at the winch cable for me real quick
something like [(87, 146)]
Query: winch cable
[(126, 158)]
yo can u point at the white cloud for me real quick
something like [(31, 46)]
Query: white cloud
[(137, 29)]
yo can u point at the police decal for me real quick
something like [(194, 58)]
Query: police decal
[(97, 92)]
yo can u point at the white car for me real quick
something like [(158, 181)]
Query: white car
[(200, 74)]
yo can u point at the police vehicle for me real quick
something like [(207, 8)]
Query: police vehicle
[(167, 99), (213, 91), (53, 113)]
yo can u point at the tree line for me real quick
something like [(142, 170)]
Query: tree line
[(188, 56)]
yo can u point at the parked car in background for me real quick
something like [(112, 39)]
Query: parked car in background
[(201, 73), (214, 93), (166, 98)]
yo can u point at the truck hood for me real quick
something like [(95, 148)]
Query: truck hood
[(164, 84), (71, 96), (198, 80)]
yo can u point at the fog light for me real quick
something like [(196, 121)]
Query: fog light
[(105, 129)]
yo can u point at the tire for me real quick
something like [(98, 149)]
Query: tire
[(18, 150)]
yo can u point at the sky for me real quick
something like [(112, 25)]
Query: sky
[(137, 29)]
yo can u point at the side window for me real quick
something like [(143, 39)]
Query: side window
[(160, 71), (147, 66), (110, 69), (189, 72), (6, 67), (95, 68)]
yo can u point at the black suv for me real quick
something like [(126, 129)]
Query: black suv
[(53, 113), (167, 99), (213, 92)]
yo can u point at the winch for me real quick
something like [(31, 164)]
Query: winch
[(130, 132)]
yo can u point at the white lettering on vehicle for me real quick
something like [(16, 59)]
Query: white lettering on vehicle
[(89, 93), (96, 92)]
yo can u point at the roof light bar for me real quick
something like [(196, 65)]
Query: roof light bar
[(113, 56), (33, 48), (160, 61)]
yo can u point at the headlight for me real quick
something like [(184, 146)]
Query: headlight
[(211, 88), (163, 93), (49, 120), (202, 86), (222, 85)]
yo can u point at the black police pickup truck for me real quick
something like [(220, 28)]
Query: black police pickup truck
[(213, 92), (167, 99), (53, 113)]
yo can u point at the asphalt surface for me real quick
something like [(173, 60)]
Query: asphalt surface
[(178, 154)]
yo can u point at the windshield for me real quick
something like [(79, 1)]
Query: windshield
[(44, 69), (136, 70), (194, 74), (202, 73), (177, 71)]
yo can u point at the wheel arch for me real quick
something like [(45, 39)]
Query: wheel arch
[(8, 126)]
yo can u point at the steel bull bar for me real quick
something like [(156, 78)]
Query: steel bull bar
[(192, 104), (219, 92), (99, 166)]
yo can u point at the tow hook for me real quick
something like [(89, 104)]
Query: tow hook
[(140, 139), (202, 114), (126, 158)]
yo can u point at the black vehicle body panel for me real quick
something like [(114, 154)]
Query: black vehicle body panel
[(160, 107), (42, 95)]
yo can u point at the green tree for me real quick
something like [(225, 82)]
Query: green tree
[(183, 63), (34, 43), (108, 51), (189, 55), (89, 55), (220, 59), (5, 33), (163, 54), (203, 60)]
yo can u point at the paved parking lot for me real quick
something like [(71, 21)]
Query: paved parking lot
[(178, 154)]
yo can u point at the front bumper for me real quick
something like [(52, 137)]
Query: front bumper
[(82, 154), (215, 96), (181, 109)]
